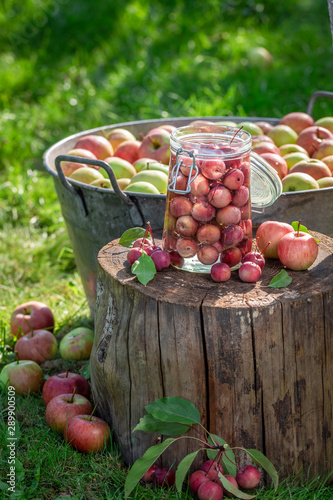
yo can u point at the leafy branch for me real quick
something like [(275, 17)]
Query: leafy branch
[(174, 416)]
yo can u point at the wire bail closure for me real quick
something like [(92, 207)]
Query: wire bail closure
[(177, 167)]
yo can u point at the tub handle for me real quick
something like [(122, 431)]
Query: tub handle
[(318, 93), (135, 213)]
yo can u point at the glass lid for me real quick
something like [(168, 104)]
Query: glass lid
[(266, 185)]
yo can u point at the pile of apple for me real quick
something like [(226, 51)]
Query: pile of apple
[(205, 483), (298, 148), (139, 165), (66, 395)]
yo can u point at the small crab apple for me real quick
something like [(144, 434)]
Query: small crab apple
[(148, 476), (210, 491), (180, 205), (161, 259), (207, 254), (200, 186), (186, 247), (248, 477), (141, 241), (176, 260), (212, 169), (256, 257), (134, 254), (219, 196), (220, 272), (164, 476), (203, 212), (228, 215), (233, 235), (212, 468), (208, 233), (233, 179), (249, 272), (231, 256), (186, 225), (231, 480), (196, 479), (241, 196)]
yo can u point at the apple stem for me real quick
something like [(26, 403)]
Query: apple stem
[(93, 411), (72, 398), (265, 248), (151, 232), (17, 358), (105, 135), (236, 133), (67, 372), (299, 224)]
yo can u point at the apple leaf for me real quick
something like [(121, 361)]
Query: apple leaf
[(183, 468), (144, 268), (174, 409), (281, 279), (130, 235), (141, 465), (260, 459), (234, 491), (302, 228), (149, 423), (228, 458)]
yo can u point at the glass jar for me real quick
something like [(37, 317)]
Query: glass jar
[(208, 203)]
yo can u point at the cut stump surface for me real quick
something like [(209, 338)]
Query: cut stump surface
[(256, 361)]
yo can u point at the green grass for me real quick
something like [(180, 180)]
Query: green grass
[(67, 66)]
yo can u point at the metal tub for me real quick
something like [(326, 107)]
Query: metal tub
[(94, 216)]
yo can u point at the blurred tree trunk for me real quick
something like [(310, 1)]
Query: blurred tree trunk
[(330, 9)]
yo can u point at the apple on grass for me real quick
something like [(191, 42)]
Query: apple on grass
[(61, 409), (64, 383), (87, 433), (97, 144), (37, 345), (25, 375), (32, 315), (77, 344), (271, 232), (298, 250), (298, 181)]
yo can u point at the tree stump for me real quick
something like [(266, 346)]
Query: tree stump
[(256, 361)]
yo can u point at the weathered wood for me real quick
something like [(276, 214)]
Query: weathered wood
[(256, 361)]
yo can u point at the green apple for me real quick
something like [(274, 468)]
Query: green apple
[(227, 123), (283, 134), (250, 127), (86, 175), (295, 157), (285, 149), (325, 182), (298, 181), (141, 187), (77, 344), (154, 177), (121, 168), (149, 164), (102, 183), (326, 122), (119, 135), (25, 376), (123, 183)]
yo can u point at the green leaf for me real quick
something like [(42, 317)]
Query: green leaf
[(183, 468), (228, 459), (142, 464), (260, 459), (144, 268), (302, 228), (174, 409), (281, 280), (130, 235), (149, 423), (234, 491)]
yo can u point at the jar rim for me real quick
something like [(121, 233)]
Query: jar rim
[(196, 136)]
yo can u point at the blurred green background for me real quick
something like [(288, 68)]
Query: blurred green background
[(68, 66)]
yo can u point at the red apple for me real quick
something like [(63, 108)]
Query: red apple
[(316, 168), (297, 120), (271, 231), (87, 433), (156, 145), (311, 137), (297, 251), (325, 148), (248, 477), (61, 409), (118, 135), (265, 126), (128, 150), (77, 344), (26, 376), (265, 147), (38, 346), (64, 383), (97, 144), (277, 162), (30, 316)]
